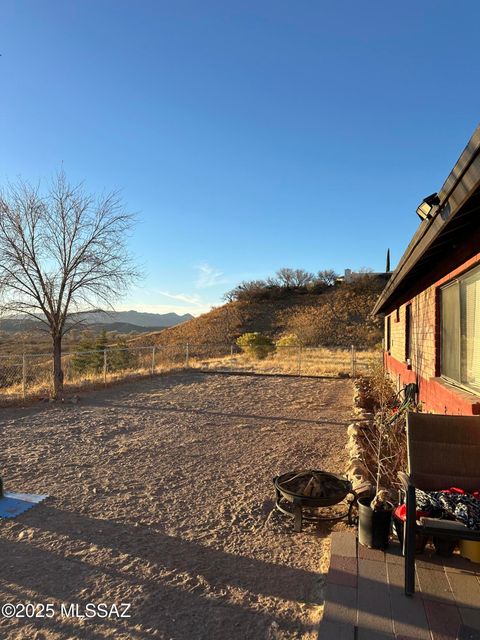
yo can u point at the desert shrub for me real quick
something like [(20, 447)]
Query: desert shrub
[(376, 389), (289, 340), (262, 290), (256, 345), (249, 291)]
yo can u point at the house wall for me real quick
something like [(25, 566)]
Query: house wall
[(435, 393)]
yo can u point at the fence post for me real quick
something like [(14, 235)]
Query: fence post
[(231, 351), (153, 360), (353, 361), (187, 355), (24, 376), (105, 367)]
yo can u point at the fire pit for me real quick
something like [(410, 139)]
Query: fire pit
[(301, 495)]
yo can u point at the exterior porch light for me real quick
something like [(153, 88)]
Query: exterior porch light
[(425, 208)]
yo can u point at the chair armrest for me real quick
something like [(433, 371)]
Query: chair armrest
[(405, 480)]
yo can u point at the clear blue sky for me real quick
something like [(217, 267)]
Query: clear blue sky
[(247, 135)]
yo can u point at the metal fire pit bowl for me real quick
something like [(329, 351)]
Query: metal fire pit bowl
[(293, 504)]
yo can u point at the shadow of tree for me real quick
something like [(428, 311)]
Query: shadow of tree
[(176, 586)]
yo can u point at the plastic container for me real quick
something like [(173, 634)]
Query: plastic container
[(373, 526), (470, 549)]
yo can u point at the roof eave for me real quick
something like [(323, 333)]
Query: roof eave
[(463, 180)]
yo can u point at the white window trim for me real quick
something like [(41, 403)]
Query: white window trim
[(474, 390)]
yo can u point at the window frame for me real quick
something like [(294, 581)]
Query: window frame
[(388, 334), (457, 281), (408, 333)]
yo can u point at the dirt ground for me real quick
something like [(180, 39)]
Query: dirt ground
[(161, 497)]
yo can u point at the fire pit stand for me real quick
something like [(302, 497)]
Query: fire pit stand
[(301, 495)]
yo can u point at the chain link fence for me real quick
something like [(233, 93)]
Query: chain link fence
[(31, 374), (292, 360)]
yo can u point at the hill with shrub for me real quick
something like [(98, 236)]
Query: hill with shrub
[(315, 310)]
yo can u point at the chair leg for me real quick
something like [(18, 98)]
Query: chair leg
[(410, 526)]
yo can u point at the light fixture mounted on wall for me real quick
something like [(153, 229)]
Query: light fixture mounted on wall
[(426, 206)]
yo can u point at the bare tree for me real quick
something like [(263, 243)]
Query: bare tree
[(328, 277), (62, 253), (293, 277)]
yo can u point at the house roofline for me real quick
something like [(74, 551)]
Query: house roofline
[(461, 183)]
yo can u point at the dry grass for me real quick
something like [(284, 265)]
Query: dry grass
[(286, 360), (43, 388), (294, 361)]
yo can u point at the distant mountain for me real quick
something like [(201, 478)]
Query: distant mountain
[(138, 318), (121, 321), (11, 325), (122, 327)]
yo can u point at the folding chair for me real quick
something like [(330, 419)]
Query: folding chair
[(443, 451)]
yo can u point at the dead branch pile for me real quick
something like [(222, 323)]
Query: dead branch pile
[(313, 484), (377, 442)]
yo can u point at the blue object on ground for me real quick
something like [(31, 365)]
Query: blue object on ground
[(13, 504)]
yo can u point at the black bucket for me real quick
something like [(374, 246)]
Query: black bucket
[(444, 546), (373, 526), (420, 539)]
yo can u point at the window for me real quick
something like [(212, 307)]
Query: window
[(408, 333), (388, 334), (460, 330)]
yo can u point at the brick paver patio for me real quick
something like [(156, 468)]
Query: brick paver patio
[(365, 598)]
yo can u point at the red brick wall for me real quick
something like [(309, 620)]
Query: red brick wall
[(435, 394)]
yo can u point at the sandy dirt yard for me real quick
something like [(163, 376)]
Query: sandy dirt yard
[(161, 498)]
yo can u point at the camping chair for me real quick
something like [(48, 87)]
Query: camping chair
[(443, 451)]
